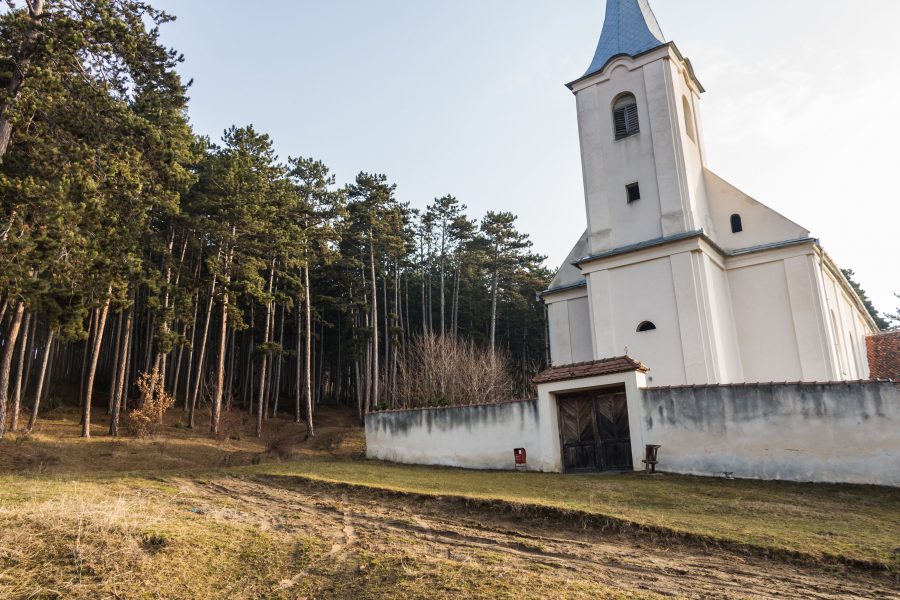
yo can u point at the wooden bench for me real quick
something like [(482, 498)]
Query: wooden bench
[(650, 461)]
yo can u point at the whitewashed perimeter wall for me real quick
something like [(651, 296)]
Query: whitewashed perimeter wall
[(836, 432), (472, 437)]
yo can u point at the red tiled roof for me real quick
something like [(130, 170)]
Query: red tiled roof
[(607, 366), (884, 355)]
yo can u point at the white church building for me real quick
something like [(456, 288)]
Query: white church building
[(680, 304), (677, 267)]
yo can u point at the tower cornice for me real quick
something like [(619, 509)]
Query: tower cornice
[(667, 50)]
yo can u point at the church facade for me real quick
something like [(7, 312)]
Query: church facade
[(677, 267)]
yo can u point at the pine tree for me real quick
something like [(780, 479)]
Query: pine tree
[(504, 247)]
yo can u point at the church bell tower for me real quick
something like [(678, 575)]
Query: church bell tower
[(641, 143)]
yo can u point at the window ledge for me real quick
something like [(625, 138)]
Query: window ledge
[(625, 137)]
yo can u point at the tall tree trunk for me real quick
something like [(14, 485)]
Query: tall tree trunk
[(267, 329), (443, 305), (92, 328), (307, 356), (29, 361), (22, 64), (260, 406), (229, 386), (251, 368), (190, 356), (92, 370), (386, 333), (320, 370), (375, 369), (178, 361), (220, 368), (455, 319), (359, 392), (17, 396), (6, 361), (298, 388), (422, 301), (408, 330), (202, 357), (276, 383), (494, 277), (45, 360), (121, 388), (129, 358), (114, 366)]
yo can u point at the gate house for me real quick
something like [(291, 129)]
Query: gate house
[(592, 409)]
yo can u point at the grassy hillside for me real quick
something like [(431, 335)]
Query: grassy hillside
[(186, 516)]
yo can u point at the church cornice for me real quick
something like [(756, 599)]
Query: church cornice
[(699, 235)]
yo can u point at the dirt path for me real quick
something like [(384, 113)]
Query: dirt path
[(358, 521)]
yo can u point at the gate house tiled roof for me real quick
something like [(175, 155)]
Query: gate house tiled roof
[(607, 366)]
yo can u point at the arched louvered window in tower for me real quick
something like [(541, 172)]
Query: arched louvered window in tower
[(737, 224), (625, 116)]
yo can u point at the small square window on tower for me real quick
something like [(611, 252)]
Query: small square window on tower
[(634, 192)]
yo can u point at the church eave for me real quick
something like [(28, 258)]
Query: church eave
[(848, 289), (564, 288)]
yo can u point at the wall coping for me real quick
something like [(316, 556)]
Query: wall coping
[(425, 408), (773, 383)]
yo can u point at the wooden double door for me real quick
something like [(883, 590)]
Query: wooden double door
[(595, 433)]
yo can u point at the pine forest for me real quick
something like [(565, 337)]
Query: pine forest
[(139, 259)]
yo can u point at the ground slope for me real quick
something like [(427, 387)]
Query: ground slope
[(164, 519)]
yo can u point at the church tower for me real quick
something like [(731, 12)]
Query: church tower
[(641, 148), (677, 267)]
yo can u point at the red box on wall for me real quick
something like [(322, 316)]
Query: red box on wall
[(520, 456)]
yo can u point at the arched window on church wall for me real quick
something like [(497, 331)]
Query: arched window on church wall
[(625, 116)]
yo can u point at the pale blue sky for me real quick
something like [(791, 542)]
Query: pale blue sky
[(466, 97)]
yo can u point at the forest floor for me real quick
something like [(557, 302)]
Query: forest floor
[(186, 516)]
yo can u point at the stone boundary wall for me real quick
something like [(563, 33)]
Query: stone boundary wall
[(834, 432), (473, 437)]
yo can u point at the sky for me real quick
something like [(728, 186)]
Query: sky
[(467, 97)]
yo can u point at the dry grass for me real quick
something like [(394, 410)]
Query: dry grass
[(55, 445), (840, 522), (130, 538), (158, 518)]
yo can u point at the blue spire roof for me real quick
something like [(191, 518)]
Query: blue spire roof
[(630, 28)]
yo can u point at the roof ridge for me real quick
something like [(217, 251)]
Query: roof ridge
[(592, 368)]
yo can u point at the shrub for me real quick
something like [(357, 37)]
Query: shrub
[(280, 447), (450, 371), (145, 420), (231, 423)]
